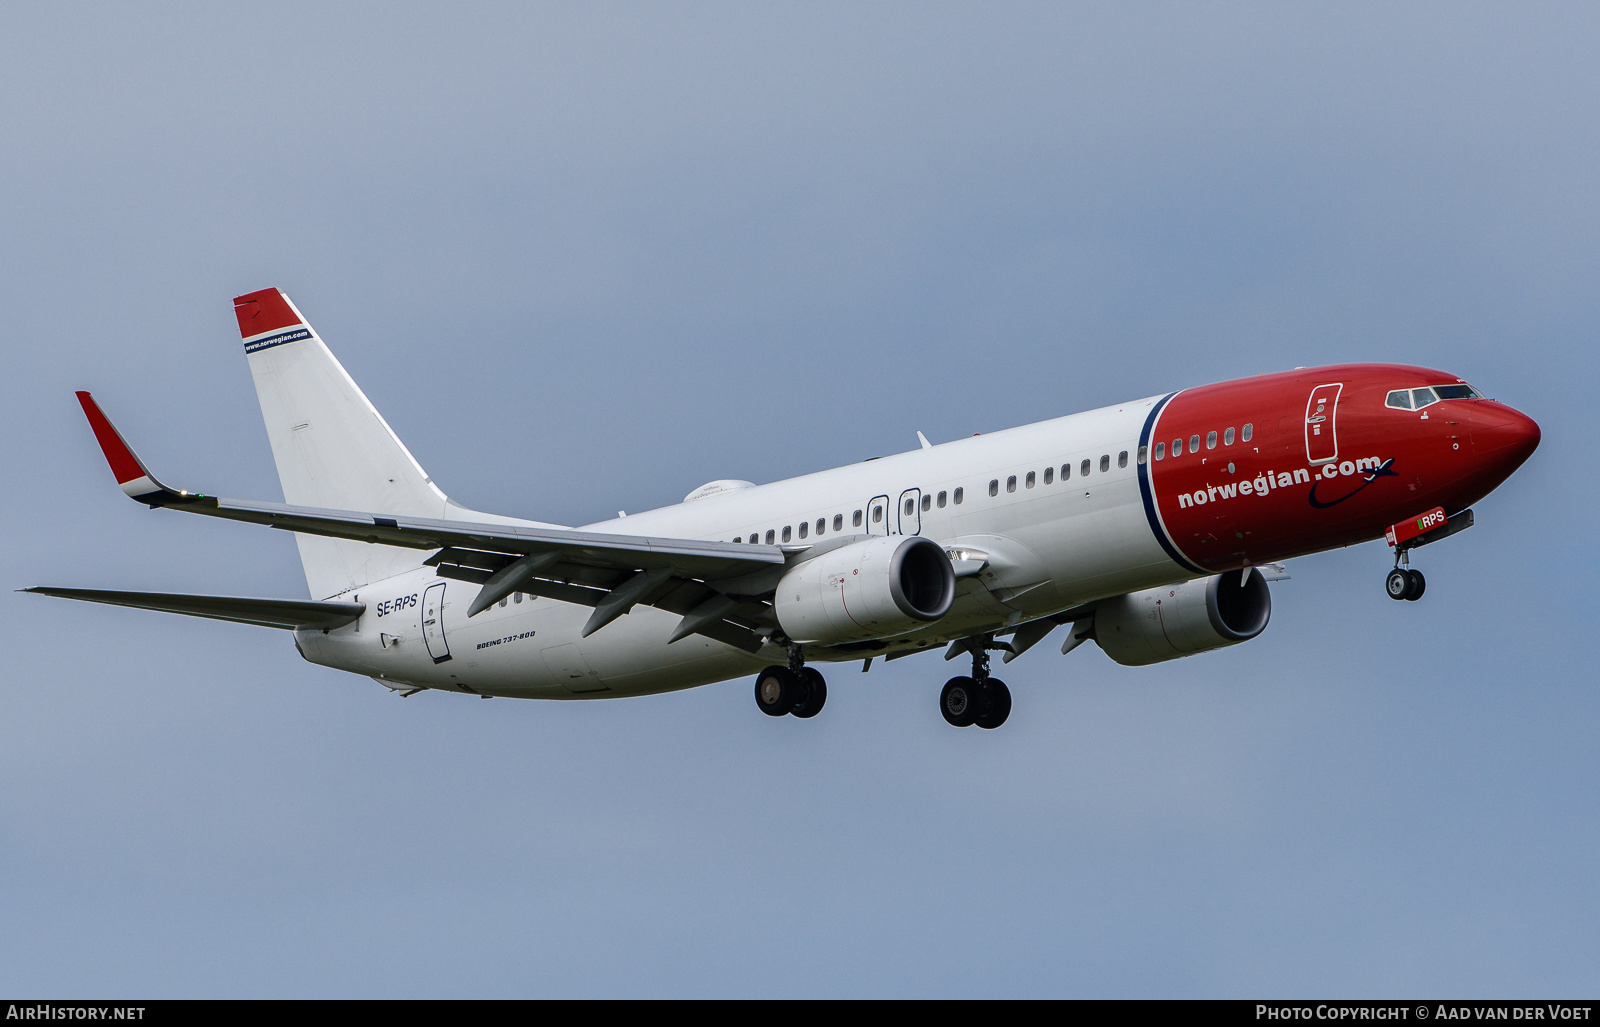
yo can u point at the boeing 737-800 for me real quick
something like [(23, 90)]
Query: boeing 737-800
[(1143, 526)]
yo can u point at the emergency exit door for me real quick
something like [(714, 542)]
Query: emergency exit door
[(910, 513), (878, 516)]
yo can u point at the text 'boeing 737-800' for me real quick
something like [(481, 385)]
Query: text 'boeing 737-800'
[(1144, 526)]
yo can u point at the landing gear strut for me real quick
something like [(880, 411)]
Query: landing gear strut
[(979, 699), (795, 689), (1403, 582)]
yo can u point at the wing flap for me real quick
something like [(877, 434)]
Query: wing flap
[(267, 613)]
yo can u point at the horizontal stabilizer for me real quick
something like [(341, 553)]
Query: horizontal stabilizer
[(267, 613)]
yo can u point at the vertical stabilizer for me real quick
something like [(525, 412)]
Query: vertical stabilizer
[(332, 447)]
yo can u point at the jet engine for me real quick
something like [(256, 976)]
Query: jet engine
[(875, 588), (1179, 620)]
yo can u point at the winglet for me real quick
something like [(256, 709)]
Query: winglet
[(125, 466)]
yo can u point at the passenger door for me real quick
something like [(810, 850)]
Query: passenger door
[(1322, 440), (433, 622)]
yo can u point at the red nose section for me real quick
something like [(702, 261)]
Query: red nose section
[(1502, 437)]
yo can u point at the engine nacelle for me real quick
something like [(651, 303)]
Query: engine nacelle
[(875, 588), (1179, 620)]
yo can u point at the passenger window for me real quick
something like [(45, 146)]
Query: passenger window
[(838, 522), (1247, 429), (1211, 440), (942, 497), (1161, 450), (503, 602), (517, 596), (957, 494), (1177, 447), (1227, 437), (1194, 443), (994, 486), (1122, 458), (1066, 471), (822, 524), (786, 533), (1049, 475), (1421, 398), (877, 514), (1011, 483), (1029, 480), (752, 539), (1105, 462), (770, 534), (1083, 468), (927, 502), (805, 528), (855, 519), (911, 507)]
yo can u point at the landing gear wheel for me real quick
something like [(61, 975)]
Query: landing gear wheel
[(1419, 585), (813, 693), (959, 701), (999, 705), (1397, 584), (777, 689)]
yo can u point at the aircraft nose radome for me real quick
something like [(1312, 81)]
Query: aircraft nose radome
[(1503, 434)]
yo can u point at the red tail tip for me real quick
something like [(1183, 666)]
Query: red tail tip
[(264, 311)]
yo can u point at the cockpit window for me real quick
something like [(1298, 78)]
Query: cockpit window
[(1416, 399)]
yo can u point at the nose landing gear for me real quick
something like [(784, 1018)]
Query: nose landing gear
[(979, 699), (1403, 582), (795, 689)]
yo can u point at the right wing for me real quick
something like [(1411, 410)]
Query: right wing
[(718, 587)]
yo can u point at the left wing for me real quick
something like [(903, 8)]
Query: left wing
[(267, 613), (716, 586)]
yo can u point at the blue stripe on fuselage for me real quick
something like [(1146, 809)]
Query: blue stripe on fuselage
[(1149, 494)]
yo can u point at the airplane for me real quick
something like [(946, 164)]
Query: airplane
[(1150, 527)]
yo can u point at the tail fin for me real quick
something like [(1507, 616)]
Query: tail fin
[(332, 447)]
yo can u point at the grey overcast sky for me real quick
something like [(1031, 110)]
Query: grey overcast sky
[(586, 257)]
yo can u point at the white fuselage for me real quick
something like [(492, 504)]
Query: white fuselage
[(1049, 547)]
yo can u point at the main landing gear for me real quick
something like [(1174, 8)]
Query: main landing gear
[(1403, 582), (795, 689), (980, 699)]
